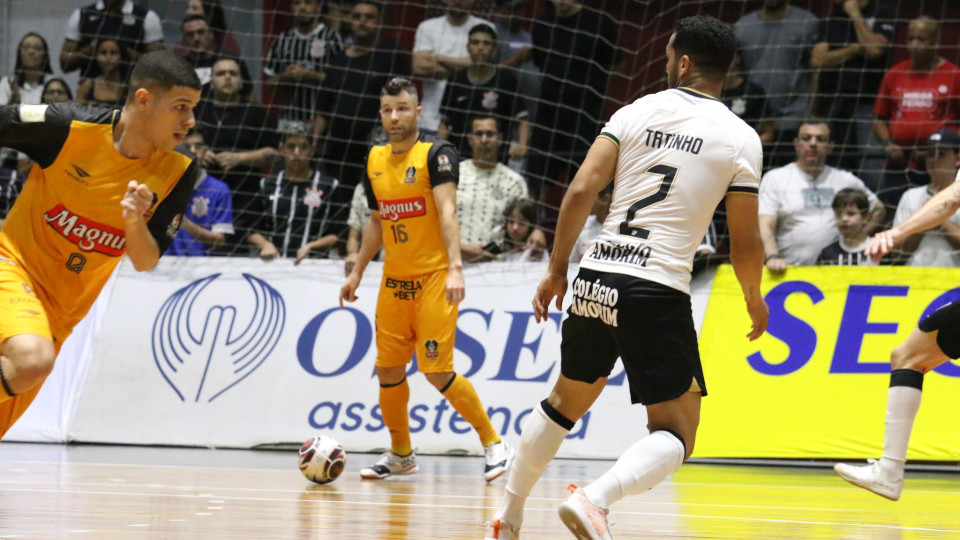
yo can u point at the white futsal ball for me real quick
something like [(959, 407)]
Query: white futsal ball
[(322, 459)]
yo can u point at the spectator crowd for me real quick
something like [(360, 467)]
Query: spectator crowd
[(853, 142)]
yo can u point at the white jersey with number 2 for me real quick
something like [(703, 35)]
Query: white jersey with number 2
[(681, 152)]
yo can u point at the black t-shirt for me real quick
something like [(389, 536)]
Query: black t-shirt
[(497, 97), (294, 213), (125, 28), (836, 255), (575, 55), (858, 77), (748, 101)]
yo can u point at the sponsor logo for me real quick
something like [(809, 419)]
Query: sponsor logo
[(404, 289), (174, 226), (921, 100), (411, 176), (595, 301), (398, 209), (443, 164), (203, 348), (87, 234), (78, 174), (200, 206), (432, 348), (76, 262)]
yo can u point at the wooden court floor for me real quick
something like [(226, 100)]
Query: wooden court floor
[(107, 492)]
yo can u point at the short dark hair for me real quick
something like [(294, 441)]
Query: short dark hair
[(709, 42), (483, 28), (847, 196), (527, 208), (484, 117), (375, 3), (399, 85), (162, 70), (816, 121), (194, 17)]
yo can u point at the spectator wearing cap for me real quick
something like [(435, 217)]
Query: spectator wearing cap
[(938, 246), (483, 89), (299, 213), (917, 97)]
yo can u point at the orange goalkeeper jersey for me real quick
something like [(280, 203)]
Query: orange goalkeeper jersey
[(66, 227), (400, 187)]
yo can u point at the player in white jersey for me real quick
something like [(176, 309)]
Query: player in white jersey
[(672, 156)]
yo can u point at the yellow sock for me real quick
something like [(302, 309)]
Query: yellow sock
[(393, 406), (464, 399)]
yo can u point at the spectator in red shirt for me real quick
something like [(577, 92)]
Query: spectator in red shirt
[(917, 97)]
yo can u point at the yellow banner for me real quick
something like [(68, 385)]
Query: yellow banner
[(815, 386)]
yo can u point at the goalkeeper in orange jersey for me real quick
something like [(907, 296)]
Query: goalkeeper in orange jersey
[(106, 183), (411, 187)]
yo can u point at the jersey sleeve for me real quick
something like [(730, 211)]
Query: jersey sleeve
[(747, 167), (368, 185), (221, 211), (883, 106), (166, 219), (613, 129), (38, 131), (443, 163), (272, 64)]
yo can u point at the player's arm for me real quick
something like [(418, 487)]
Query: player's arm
[(206, 236), (142, 247), (597, 170), (445, 197), (426, 65), (369, 246), (746, 255), (935, 212)]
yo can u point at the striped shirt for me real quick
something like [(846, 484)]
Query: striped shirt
[(314, 51)]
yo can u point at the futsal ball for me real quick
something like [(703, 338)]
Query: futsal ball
[(322, 459)]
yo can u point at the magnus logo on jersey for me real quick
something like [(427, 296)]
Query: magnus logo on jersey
[(398, 209), (203, 348), (87, 234)]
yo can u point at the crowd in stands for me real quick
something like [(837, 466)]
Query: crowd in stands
[(852, 142)]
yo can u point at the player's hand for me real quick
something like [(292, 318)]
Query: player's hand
[(475, 253), (269, 252), (759, 315), (456, 288), (895, 154), (552, 285), (136, 201), (349, 288), (882, 243), (517, 151), (302, 254), (777, 265)]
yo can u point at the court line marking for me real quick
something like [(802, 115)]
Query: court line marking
[(474, 507)]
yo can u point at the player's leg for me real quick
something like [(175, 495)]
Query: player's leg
[(436, 330), (395, 345), (587, 357), (657, 342), (933, 343), (25, 362)]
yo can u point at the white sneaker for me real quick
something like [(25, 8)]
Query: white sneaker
[(499, 529), (390, 464), (870, 477), (498, 458), (585, 520)]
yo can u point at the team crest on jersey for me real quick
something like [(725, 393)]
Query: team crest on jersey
[(398, 209), (411, 175), (490, 100), (174, 226), (200, 206), (443, 164), (432, 347), (312, 197), (87, 234)]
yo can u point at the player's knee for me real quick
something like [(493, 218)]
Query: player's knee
[(440, 381), (32, 358), (902, 357)]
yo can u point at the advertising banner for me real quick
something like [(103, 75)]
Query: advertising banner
[(815, 386), (241, 352)]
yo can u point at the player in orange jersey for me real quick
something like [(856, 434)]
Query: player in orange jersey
[(411, 186), (106, 183)]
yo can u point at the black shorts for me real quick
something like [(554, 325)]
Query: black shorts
[(946, 319), (648, 325)]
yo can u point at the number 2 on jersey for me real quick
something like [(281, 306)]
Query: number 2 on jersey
[(668, 173)]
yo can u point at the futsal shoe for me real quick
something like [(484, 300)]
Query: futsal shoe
[(498, 458), (585, 520), (391, 464), (871, 477), (499, 529)]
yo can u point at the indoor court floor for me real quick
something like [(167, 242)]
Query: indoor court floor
[(50, 491)]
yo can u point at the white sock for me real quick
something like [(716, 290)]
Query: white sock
[(645, 464), (539, 442), (903, 402)]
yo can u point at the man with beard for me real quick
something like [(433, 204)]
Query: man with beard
[(631, 298)]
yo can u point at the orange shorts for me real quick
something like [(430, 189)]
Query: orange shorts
[(413, 315), (22, 312)]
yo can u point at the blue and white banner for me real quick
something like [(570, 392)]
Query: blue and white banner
[(239, 352)]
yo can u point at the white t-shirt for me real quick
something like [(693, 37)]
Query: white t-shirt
[(29, 94), (482, 197), (680, 153), (803, 206), (438, 36), (934, 249)]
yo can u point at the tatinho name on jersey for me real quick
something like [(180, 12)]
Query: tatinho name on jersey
[(684, 143), (87, 234), (402, 208), (637, 254)]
